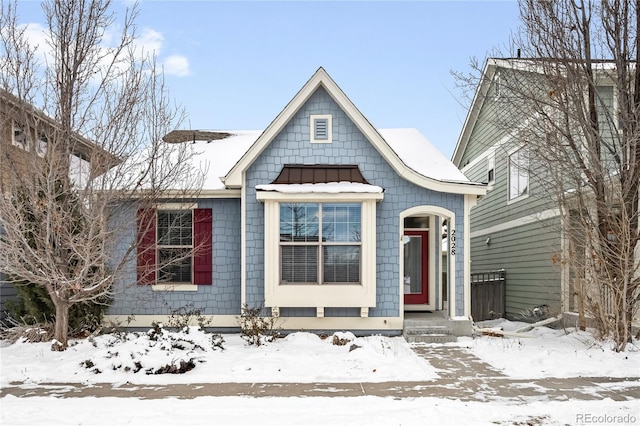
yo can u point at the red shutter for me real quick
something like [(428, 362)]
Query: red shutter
[(146, 246), (202, 243)]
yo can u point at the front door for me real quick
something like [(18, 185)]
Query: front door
[(416, 262)]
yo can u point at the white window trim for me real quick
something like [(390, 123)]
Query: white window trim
[(528, 193), (174, 287), (361, 295), (312, 126)]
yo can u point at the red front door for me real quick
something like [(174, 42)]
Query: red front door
[(416, 264)]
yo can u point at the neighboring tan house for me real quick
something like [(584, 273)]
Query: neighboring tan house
[(24, 140), (517, 226), (323, 219)]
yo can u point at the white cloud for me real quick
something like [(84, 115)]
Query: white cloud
[(36, 35), (176, 65), (150, 41)]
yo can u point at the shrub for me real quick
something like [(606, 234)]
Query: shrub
[(256, 328), (34, 306), (181, 318)]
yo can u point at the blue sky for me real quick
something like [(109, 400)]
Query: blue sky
[(235, 65)]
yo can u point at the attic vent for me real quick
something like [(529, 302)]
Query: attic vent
[(320, 126)]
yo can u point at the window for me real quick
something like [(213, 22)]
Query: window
[(41, 145), (496, 85), (174, 245), (325, 241), (320, 243), (19, 137), (175, 232), (519, 174), (22, 139), (491, 168), (321, 128)]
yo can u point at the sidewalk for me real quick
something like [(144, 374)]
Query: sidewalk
[(462, 376)]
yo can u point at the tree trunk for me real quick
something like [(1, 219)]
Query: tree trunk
[(61, 331)]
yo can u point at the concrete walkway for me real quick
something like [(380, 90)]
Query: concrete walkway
[(462, 376)]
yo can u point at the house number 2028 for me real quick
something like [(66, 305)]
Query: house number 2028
[(452, 242)]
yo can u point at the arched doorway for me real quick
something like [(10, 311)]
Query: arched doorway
[(426, 263)]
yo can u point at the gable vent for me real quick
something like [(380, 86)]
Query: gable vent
[(320, 128)]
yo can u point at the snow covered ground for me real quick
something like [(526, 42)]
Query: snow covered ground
[(306, 358)]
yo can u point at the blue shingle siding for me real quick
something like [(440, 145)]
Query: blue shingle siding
[(292, 146), (220, 298)]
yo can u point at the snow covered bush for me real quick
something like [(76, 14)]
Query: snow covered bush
[(158, 351), (342, 338)]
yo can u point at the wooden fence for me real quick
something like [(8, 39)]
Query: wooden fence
[(488, 294)]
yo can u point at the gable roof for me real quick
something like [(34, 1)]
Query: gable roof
[(83, 147), (491, 67), (479, 98), (458, 184)]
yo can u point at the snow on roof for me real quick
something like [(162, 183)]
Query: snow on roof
[(421, 155), (330, 188), (217, 157)]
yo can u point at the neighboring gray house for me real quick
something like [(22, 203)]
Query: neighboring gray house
[(517, 227), (329, 222), (24, 133)]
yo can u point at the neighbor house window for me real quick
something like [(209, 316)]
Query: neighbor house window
[(496, 85), (519, 174), (41, 145), (19, 138), (321, 128), (491, 168), (174, 245), (320, 243)]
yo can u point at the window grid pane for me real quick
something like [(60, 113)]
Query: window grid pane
[(175, 265), (341, 264), (174, 228), (299, 222), (299, 264), (341, 222)]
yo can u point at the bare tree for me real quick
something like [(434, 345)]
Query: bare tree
[(91, 147), (572, 96)]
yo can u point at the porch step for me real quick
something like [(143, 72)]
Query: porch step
[(428, 334)]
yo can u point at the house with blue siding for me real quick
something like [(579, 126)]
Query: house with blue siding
[(322, 219)]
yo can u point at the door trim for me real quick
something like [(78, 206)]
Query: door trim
[(423, 297)]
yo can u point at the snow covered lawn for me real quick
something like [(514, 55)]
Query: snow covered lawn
[(305, 357), (298, 357), (553, 353)]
